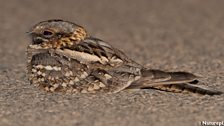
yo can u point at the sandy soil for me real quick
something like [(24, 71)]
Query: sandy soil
[(171, 35)]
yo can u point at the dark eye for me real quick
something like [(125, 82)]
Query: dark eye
[(47, 34)]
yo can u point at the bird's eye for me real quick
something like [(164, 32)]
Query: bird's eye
[(48, 34)]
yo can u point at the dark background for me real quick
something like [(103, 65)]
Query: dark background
[(171, 35)]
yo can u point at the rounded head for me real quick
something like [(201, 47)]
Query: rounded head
[(56, 32)]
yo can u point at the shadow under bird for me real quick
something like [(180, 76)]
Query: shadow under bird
[(64, 57)]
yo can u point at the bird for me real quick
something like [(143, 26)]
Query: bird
[(64, 57)]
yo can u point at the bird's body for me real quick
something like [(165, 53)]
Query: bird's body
[(63, 57), (81, 68)]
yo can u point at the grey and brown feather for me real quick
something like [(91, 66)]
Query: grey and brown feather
[(63, 57)]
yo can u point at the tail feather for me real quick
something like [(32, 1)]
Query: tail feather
[(171, 81), (186, 87)]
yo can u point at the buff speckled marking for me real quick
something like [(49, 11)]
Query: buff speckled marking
[(63, 57), (39, 74)]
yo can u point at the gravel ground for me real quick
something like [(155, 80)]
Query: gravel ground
[(171, 35)]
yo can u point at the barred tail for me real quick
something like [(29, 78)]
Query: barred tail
[(172, 81)]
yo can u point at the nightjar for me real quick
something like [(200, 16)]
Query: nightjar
[(64, 57)]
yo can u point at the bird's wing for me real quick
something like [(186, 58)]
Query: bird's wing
[(95, 52), (103, 62)]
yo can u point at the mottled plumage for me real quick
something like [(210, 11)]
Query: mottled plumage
[(63, 57)]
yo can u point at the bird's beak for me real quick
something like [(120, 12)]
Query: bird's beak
[(29, 32)]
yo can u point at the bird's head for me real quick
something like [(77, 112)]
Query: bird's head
[(56, 33)]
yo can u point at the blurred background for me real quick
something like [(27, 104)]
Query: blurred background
[(171, 35)]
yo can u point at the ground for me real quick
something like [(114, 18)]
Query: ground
[(171, 35)]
